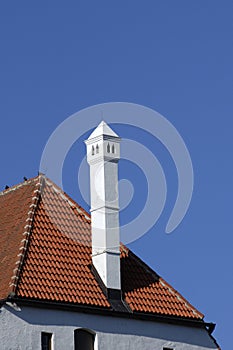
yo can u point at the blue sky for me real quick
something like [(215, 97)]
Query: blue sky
[(175, 57)]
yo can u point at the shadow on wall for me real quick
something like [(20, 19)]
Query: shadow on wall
[(108, 324)]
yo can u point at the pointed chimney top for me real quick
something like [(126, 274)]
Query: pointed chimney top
[(102, 129), (103, 154)]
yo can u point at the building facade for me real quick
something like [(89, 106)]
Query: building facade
[(66, 281)]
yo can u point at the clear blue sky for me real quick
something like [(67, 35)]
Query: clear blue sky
[(176, 57)]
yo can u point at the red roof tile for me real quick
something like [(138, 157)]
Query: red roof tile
[(45, 254), (15, 211)]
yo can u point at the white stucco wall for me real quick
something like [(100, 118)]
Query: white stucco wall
[(21, 330)]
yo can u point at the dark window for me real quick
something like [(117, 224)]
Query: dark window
[(46, 341), (83, 340), (167, 348), (108, 148)]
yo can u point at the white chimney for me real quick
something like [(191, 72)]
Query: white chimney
[(103, 153)]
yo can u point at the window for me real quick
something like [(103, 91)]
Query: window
[(83, 340), (46, 341), (167, 349)]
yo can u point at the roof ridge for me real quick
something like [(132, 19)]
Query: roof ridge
[(19, 185), (66, 197), (26, 234), (56, 188)]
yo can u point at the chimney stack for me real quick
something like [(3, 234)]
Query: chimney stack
[(103, 153)]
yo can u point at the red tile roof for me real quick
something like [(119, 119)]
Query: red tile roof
[(45, 254)]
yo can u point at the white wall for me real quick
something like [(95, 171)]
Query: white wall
[(21, 330)]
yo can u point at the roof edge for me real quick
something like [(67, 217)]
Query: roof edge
[(20, 184), (190, 322), (197, 313), (26, 234), (65, 196)]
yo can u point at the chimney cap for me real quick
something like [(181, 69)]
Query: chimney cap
[(102, 129)]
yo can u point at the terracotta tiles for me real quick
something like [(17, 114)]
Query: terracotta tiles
[(14, 207), (56, 259), (145, 291)]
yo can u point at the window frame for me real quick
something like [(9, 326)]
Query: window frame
[(50, 337), (88, 331)]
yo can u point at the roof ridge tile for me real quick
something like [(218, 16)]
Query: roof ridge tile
[(17, 186), (181, 298), (24, 242), (67, 198)]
